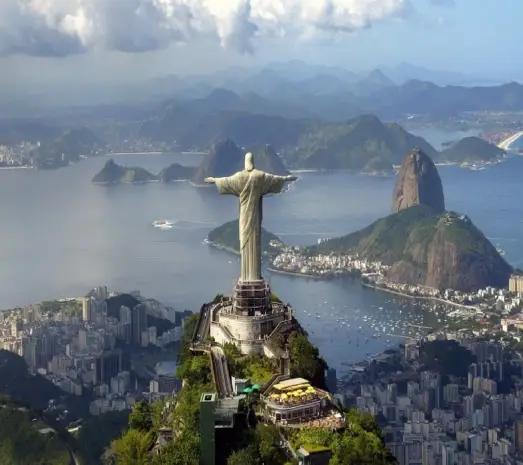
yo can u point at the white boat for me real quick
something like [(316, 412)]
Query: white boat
[(163, 224)]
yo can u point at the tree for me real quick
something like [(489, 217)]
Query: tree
[(133, 448), (247, 456), (140, 417), (305, 360), (362, 448), (268, 439), (184, 450), (360, 443), (312, 436), (363, 419), (446, 357), (195, 370)]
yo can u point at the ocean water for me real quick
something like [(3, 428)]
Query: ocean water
[(60, 235)]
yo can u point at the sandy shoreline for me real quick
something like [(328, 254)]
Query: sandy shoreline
[(418, 297), (16, 167)]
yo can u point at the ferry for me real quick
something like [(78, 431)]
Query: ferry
[(163, 224)]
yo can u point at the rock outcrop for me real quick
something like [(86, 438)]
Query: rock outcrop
[(176, 172), (421, 242), (425, 247), (112, 173), (418, 183), (448, 252), (226, 158)]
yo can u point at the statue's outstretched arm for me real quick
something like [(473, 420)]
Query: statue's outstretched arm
[(228, 185), (277, 177), (274, 183)]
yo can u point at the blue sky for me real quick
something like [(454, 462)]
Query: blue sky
[(482, 37)]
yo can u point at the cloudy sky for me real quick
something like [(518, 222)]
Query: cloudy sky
[(56, 43)]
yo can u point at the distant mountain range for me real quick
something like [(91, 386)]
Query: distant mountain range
[(404, 72), (309, 114), (359, 144), (422, 97), (363, 143), (292, 83), (295, 89)]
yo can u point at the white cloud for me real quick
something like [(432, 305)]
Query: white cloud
[(62, 27)]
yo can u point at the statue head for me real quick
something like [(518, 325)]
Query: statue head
[(249, 161)]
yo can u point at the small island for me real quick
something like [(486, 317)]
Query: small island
[(472, 151), (176, 172), (113, 173)]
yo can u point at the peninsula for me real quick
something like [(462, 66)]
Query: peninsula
[(227, 237)]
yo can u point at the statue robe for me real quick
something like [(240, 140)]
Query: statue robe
[(250, 187)]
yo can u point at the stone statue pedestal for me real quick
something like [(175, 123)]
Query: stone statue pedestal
[(252, 298)]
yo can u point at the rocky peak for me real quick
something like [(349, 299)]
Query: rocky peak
[(225, 158), (418, 183)]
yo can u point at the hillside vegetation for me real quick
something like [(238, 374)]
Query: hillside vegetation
[(23, 440), (227, 235), (112, 173), (441, 250), (470, 150), (354, 145)]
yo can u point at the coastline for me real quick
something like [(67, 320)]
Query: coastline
[(349, 275), (110, 154), (418, 297), (342, 170), (25, 167), (297, 274), (294, 273), (114, 183), (375, 287), (221, 247)]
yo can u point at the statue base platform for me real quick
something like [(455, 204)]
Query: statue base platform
[(252, 298)]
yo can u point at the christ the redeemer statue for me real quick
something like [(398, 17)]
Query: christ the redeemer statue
[(250, 185)]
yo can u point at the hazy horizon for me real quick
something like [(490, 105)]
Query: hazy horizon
[(57, 50)]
